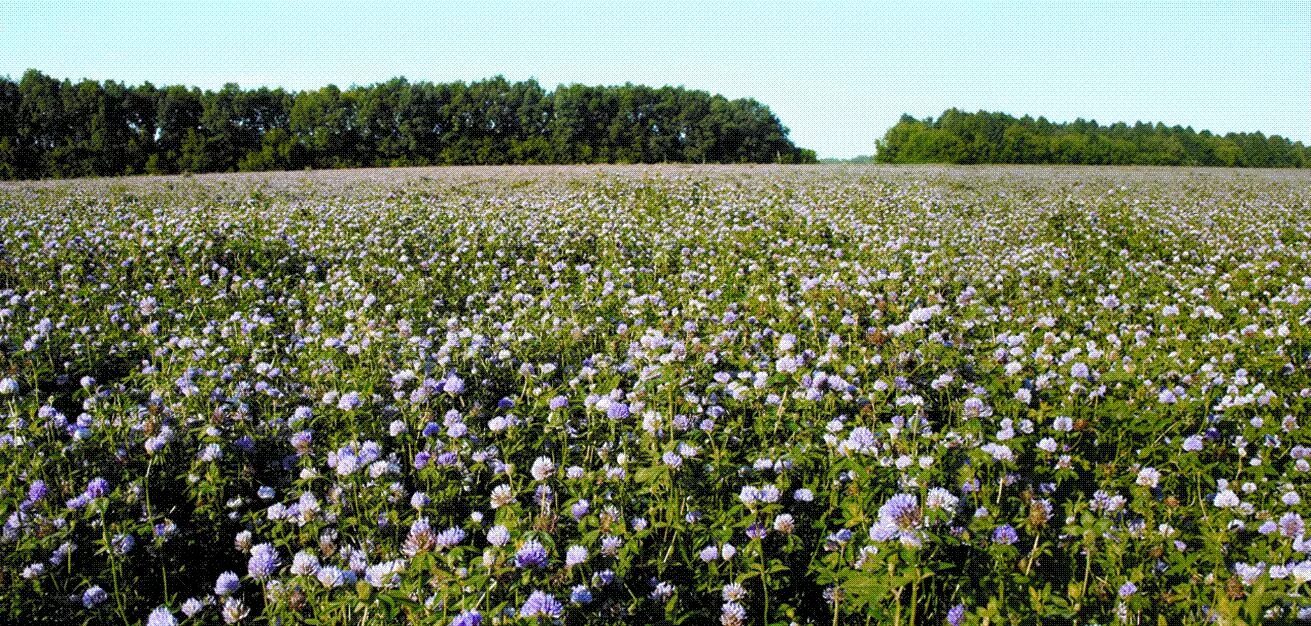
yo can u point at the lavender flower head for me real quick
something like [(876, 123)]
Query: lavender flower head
[(330, 577), (227, 584), (385, 574), (304, 564), (1005, 535), (468, 618), (161, 617), (37, 491), (454, 385), (498, 535), (349, 401), (234, 611), (450, 537), (899, 518), (580, 594), (540, 605), (956, 615), (263, 561), (93, 596), (1128, 589), (531, 554), (98, 487), (617, 411), (575, 555)]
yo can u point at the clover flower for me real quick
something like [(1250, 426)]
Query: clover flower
[(542, 468), (899, 518), (94, 596), (330, 577), (468, 618), (1005, 535), (732, 614), (263, 561), (575, 555), (161, 617), (531, 554), (234, 610), (580, 594), (1128, 589), (539, 605), (226, 584), (304, 564)]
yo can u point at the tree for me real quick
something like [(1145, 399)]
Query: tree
[(10, 103), (323, 122), (983, 137), (178, 123), (41, 124), (60, 128)]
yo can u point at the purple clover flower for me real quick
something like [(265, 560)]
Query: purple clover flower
[(540, 605), (227, 584), (94, 596), (454, 385), (468, 618), (531, 554), (956, 615), (161, 617), (450, 537), (617, 411), (1128, 589), (37, 491), (97, 488), (580, 594), (263, 561)]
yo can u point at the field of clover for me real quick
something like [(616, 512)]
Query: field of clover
[(657, 395)]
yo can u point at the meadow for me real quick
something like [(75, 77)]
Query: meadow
[(657, 395)]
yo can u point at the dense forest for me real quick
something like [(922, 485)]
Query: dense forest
[(53, 128), (983, 137)]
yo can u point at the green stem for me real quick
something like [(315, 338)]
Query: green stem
[(897, 616), (150, 519), (1033, 554), (914, 596), (113, 567)]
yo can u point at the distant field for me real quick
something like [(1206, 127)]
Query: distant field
[(657, 395)]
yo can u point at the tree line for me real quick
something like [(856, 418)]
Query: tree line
[(984, 137), (54, 128)]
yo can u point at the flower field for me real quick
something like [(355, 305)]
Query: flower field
[(657, 395)]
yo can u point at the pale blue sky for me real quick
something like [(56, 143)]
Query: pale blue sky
[(837, 73)]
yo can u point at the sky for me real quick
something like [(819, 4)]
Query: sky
[(837, 73)]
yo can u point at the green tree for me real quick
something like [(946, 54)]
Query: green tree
[(10, 103), (58, 128), (323, 122), (984, 137), (179, 122)]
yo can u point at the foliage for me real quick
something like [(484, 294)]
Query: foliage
[(983, 137), (656, 395), (50, 128)]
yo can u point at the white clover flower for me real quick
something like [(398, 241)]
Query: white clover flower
[(543, 468)]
